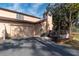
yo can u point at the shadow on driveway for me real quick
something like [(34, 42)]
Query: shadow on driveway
[(39, 47)]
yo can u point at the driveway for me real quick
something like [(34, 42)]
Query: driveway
[(35, 46)]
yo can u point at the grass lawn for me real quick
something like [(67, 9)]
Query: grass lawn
[(74, 42), (76, 37)]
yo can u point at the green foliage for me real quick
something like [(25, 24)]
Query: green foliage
[(64, 14)]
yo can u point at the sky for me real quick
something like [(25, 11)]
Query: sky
[(36, 9)]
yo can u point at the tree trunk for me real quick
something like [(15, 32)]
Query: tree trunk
[(59, 28), (70, 25)]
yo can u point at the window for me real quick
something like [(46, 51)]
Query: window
[(19, 17)]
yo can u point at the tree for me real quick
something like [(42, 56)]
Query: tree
[(64, 12)]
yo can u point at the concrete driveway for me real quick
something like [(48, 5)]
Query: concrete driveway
[(35, 47)]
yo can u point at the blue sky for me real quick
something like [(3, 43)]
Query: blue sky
[(36, 9)]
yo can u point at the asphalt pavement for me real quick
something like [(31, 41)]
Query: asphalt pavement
[(35, 46)]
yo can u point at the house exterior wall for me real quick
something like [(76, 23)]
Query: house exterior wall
[(19, 29), (32, 19), (16, 30), (43, 27), (50, 22), (40, 28), (1, 30), (18, 16), (4, 13)]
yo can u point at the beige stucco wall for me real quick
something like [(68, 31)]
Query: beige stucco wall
[(9, 14), (41, 28), (38, 29), (4, 13), (21, 30), (50, 22), (44, 26), (28, 18), (1, 29), (16, 30), (4, 26)]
